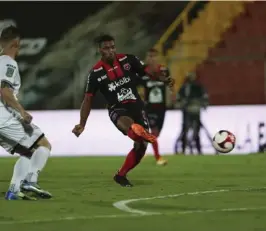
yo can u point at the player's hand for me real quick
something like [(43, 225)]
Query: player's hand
[(78, 129), (27, 118), (170, 82)]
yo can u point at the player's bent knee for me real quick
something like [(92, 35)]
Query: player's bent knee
[(44, 143), (124, 123)]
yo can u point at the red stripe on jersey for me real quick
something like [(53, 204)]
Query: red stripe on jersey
[(89, 94), (113, 72), (129, 101), (119, 72)]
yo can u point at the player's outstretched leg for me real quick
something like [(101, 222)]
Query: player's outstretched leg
[(139, 134), (37, 163), (133, 159), (159, 159), (19, 173)]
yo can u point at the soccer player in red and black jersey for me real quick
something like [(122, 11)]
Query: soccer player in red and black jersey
[(115, 75), (154, 95)]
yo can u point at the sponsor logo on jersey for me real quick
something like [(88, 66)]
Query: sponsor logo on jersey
[(112, 86), (154, 84), (102, 78), (125, 94)]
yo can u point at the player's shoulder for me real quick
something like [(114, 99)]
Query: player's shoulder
[(97, 69), (133, 58), (6, 60), (122, 57)]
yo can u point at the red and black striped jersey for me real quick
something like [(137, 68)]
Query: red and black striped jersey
[(117, 82)]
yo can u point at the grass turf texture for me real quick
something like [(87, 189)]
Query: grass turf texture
[(83, 190)]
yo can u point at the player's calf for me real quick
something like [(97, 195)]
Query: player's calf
[(133, 159), (37, 163)]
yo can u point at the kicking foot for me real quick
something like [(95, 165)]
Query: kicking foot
[(140, 131), (122, 180), (10, 196), (36, 189), (161, 161)]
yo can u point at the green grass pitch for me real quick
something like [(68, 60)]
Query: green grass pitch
[(84, 193)]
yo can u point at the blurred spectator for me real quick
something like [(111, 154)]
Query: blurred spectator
[(191, 98)]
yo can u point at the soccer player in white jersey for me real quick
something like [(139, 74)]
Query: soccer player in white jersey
[(17, 133)]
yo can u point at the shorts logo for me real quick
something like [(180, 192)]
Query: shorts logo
[(127, 66)]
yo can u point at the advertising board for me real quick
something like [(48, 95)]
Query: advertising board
[(101, 138)]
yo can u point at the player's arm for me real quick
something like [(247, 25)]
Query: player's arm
[(91, 89), (85, 109), (8, 97), (7, 79), (153, 72)]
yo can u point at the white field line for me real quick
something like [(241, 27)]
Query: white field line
[(123, 205)]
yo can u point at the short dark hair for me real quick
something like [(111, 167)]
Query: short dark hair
[(9, 33), (153, 50), (104, 38)]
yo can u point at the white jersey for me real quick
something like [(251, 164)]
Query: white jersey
[(9, 73), (13, 130)]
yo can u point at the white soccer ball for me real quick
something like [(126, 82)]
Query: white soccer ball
[(224, 141)]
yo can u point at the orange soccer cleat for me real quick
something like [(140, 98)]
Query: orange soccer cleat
[(140, 131)]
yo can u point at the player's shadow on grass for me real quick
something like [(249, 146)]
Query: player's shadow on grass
[(137, 183)]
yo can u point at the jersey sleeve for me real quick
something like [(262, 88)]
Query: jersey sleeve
[(92, 85), (8, 71), (138, 66)]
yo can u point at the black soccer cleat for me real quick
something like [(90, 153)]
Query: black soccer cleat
[(122, 180)]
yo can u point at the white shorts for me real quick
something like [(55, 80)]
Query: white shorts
[(16, 133)]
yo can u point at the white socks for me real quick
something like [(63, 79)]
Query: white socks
[(28, 169), (37, 163), (20, 171)]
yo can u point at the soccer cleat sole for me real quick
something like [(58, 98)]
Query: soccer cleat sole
[(140, 131)]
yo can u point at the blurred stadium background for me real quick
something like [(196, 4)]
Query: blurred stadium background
[(222, 42)]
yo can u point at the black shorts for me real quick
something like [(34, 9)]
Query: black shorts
[(156, 118), (131, 110)]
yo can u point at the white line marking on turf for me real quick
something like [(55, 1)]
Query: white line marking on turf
[(123, 205)]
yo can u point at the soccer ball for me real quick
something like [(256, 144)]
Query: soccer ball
[(224, 141)]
